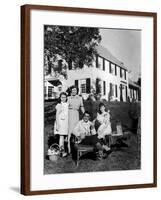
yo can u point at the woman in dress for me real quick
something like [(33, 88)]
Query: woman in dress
[(103, 117), (61, 124), (75, 103)]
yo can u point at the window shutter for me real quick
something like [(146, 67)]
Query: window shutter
[(116, 70), (88, 85), (76, 83), (125, 74), (120, 72), (110, 70), (126, 94), (97, 86), (104, 87), (111, 88), (103, 64), (96, 61), (116, 90)]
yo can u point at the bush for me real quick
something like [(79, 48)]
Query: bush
[(125, 112), (120, 111)]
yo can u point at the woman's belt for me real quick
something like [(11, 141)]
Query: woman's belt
[(73, 109)]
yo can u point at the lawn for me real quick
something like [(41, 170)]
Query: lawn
[(119, 158)]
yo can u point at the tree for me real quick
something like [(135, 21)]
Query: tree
[(75, 45)]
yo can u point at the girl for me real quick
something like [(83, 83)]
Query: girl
[(61, 123), (103, 117)]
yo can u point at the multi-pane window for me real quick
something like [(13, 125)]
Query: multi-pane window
[(83, 85), (83, 88), (107, 64)]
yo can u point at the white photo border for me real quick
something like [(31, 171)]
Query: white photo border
[(39, 181)]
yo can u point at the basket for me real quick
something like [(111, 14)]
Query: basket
[(54, 152)]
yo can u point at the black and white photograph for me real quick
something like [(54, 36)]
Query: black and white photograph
[(92, 99)]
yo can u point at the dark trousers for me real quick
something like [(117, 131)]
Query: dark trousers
[(93, 141)]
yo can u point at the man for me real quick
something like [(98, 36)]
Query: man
[(86, 134)]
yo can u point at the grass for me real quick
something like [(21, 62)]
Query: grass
[(117, 159)]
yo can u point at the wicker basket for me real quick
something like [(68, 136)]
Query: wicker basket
[(54, 152)]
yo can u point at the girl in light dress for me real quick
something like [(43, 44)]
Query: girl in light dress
[(103, 117), (61, 123)]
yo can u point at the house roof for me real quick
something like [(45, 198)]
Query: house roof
[(131, 83), (105, 53)]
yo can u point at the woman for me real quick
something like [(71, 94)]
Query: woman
[(75, 103)]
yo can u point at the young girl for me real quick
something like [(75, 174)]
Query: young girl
[(103, 118), (61, 123)]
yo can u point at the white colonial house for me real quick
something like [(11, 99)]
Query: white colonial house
[(106, 74)]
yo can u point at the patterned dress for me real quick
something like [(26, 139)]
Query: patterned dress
[(75, 102)]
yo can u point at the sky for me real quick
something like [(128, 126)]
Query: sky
[(125, 45)]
